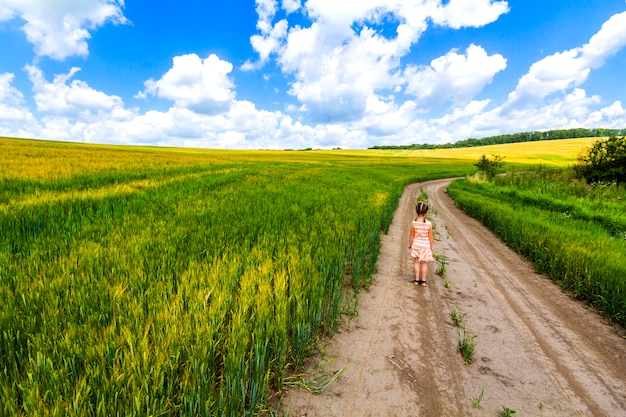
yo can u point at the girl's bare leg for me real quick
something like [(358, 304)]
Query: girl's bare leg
[(416, 270), (424, 270)]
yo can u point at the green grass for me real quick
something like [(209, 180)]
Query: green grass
[(160, 281), (477, 400), (467, 345), (574, 232), (457, 318), (507, 412)]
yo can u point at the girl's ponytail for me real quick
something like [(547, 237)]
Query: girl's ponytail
[(421, 209)]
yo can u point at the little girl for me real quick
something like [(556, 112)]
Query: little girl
[(421, 243)]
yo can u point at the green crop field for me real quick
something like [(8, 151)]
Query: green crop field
[(159, 281)]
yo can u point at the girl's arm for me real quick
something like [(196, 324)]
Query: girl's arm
[(411, 236), (430, 237)]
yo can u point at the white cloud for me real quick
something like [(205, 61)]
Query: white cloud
[(348, 70), (334, 89), (573, 108), (268, 43), (201, 85), (15, 118), (343, 58), (6, 12), (60, 28), (570, 68), (9, 94), (386, 118), (453, 77), (610, 39), (613, 116), (342, 13), (291, 6), (266, 9), (67, 97), (334, 77), (572, 111), (462, 114), (469, 13)]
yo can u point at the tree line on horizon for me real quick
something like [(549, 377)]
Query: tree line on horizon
[(514, 138)]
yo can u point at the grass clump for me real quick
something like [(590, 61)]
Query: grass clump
[(477, 400), (457, 318), (467, 345), (507, 412)]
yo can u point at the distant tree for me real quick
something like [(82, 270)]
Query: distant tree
[(489, 167), (514, 137), (604, 162)]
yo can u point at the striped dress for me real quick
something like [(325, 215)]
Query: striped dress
[(420, 247)]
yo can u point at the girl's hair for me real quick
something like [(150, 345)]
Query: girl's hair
[(421, 209)]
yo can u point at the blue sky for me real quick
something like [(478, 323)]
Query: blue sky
[(294, 74)]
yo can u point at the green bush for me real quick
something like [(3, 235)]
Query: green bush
[(489, 167), (605, 161)]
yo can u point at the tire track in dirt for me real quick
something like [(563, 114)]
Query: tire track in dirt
[(538, 351), (568, 362)]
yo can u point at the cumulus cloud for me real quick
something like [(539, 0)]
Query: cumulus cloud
[(335, 77), (469, 13), (385, 118), (267, 43), (15, 117), (271, 34), (265, 9), (462, 114), (12, 106), (569, 69), (8, 93), (6, 12), (60, 28), (453, 76), (343, 58), (347, 68), (291, 6), (243, 126), (612, 116), (338, 86), (201, 85), (569, 110), (66, 97), (575, 109)]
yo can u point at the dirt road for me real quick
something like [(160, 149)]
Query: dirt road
[(538, 351)]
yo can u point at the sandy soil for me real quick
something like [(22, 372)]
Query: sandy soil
[(538, 351)]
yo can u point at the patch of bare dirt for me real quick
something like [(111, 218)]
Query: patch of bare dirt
[(538, 351)]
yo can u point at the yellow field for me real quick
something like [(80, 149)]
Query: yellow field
[(561, 152), (33, 159)]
